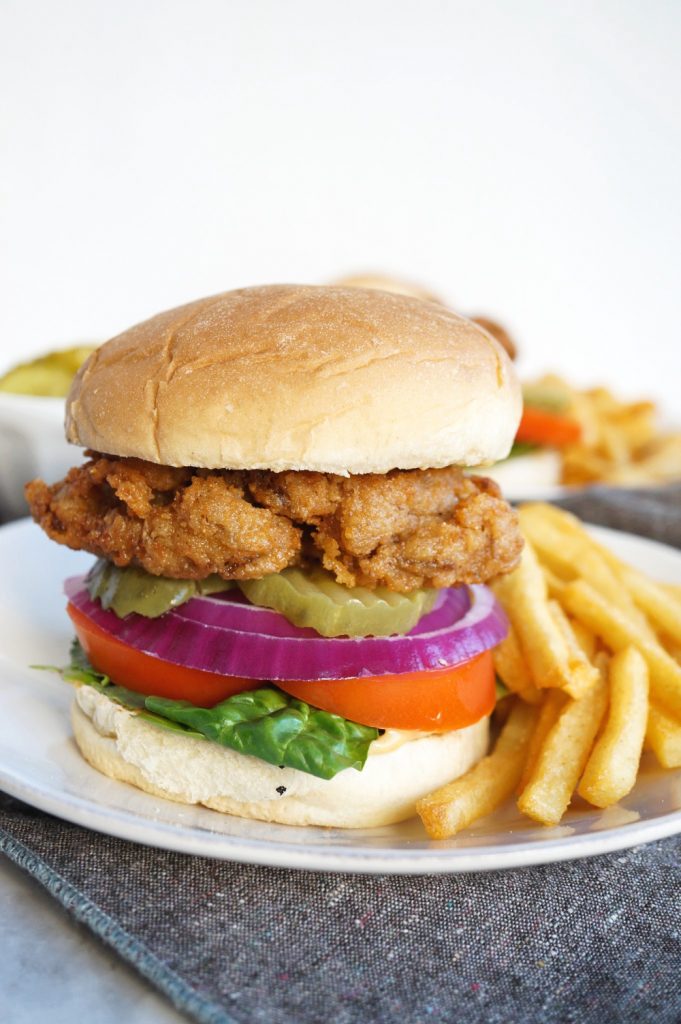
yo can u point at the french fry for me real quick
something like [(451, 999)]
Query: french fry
[(481, 790), (512, 669), (562, 757), (554, 584), (663, 736), (578, 555), (661, 459), (618, 632), (661, 607), (524, 597), (612, 767), (620, 441), (582, 466), (555, 550), (548, 716), (583, 674), (566, 522), (672, 588), (672, 649), (585, 638), (614, 444)]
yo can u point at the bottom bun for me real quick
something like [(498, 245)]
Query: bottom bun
[(398, 771)]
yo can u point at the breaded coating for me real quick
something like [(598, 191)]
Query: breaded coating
[(172, 522), (402, 530)]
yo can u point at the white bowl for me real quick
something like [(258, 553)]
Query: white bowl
[(32, 443)]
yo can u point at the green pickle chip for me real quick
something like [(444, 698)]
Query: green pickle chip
[(309, 597), (133, 590), (49, 376), (313, 598)]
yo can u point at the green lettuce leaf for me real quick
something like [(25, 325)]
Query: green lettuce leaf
[(80, 671), (265, 723), (519, 448), (278, 729)]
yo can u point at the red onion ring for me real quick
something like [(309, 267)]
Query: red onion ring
[(459, 630)]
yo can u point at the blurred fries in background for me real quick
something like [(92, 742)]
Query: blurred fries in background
[(619, 442), (593, 654)]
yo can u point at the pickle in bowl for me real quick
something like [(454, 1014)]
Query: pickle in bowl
[(48, 376)]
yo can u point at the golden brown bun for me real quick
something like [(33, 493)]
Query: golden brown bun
[(195, 771), (340, 380)]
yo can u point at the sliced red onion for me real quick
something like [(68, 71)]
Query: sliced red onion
[(459, 630)]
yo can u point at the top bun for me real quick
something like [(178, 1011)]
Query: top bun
[(338, 380)]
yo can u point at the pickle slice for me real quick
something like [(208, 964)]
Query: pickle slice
[(126, 590), (48, 376), (313, 598)]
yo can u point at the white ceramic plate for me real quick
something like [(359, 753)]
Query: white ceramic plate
[(39, 762)]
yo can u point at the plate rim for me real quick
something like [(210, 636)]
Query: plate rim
[(195, 840)]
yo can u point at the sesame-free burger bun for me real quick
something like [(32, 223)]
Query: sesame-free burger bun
[(339, 380), (194, 771)]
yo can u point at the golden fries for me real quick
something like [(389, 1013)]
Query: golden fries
[(612, 767), (620, 442), (663, 736), (661, 607), (583, 673), (548, 716), (585, 638), (618, 632), (562, 757), (575, 555), (511, 668), (590, 660), (524, 596), (451, 808)]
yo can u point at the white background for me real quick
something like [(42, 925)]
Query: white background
[(521, 158)]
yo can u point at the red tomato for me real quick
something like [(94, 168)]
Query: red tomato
[(441, 700), (152, 676), (438, 700), (540, 427)]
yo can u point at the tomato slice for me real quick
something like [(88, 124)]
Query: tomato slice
[(439, 700), (541, 427), (152, 676)]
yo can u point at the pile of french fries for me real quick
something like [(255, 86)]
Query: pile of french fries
[(621, 442), (593, 665)]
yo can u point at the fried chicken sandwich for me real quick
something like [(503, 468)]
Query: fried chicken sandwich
[(287, 618)]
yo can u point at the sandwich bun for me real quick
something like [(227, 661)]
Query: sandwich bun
[(188, 770), (288, 377)]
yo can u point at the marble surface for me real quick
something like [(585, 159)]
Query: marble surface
[(54, 971)]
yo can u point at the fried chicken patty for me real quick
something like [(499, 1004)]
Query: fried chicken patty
[(402, 530)]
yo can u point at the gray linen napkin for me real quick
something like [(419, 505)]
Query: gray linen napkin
[(595, 940)]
